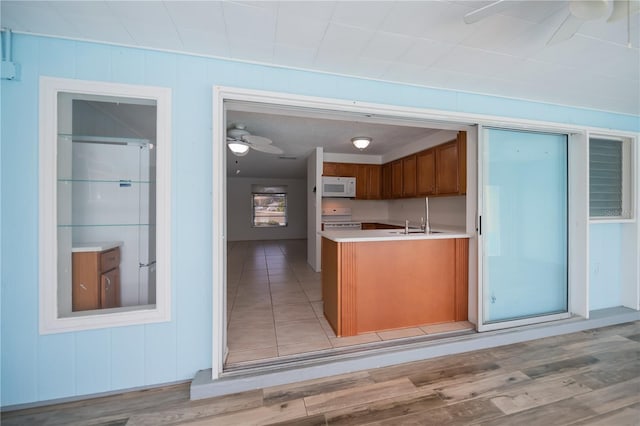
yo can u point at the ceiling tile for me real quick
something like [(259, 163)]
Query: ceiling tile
[(197, 15), (425, 52), (251, 50), (293, 31), (37, 17), (536, 11), (303, 10), (94, 21), (205, 42), (497, 32), (619, 34), (400, 71), (362, 14), (343, 41), (467, 60), (387, 46), (294, 56), (249, 22)]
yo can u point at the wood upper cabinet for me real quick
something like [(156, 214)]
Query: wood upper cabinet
[(396, 179), (374, 187), (386, 181), (426, 172), (447, 168), (362, 182), (329, 169), (339, 169), (409, 176)]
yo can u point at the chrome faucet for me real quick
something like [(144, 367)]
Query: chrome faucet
[(406, 226), (426, 226)]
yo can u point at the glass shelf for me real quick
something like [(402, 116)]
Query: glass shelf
[(118, 181), (107, 140), (104, 225)]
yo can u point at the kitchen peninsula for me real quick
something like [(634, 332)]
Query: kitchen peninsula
[(384, 279)]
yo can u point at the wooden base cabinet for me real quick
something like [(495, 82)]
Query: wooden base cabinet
[(96, 280), (423, 282)]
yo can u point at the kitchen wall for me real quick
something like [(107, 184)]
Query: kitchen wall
[(239, 210), (360, 209), (444, 211), (117, 358)]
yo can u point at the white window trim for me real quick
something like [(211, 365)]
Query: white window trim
[(49, 322), (629, 177)]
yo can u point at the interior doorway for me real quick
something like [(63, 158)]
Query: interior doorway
[(273, 297)]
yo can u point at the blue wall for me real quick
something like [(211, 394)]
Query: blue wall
[(38, 368)]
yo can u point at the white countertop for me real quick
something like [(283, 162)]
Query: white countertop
[(95, 246), (351, 236)]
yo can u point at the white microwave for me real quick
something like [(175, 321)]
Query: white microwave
[(338, 186)]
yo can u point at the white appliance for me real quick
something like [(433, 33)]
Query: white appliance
[(333, 186), (339, 218)]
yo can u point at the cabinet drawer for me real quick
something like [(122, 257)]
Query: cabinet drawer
[(109, 259)]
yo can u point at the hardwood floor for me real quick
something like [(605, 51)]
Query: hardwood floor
[(586, 378)]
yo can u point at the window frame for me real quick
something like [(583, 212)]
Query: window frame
[(629, 170), (271, 194), (49, 319)]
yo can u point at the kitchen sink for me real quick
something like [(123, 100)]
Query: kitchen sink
[(413, 232)]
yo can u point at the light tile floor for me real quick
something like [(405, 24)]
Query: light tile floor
[(274, 305)]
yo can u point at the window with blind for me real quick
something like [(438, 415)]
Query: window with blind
[(269, 206), (609, 178)]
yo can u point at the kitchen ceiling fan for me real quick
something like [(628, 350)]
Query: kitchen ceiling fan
[(239, 140), (580, 11)]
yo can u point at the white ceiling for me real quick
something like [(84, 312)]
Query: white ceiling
[(423, 43), (417, 42)]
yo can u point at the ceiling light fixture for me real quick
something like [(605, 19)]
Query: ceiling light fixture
[(238, 148), (361, 142)]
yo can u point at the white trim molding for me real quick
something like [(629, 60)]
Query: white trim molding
[(298, 105), (50, 321)]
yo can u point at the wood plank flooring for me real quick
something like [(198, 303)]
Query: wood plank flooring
[(586, 378)]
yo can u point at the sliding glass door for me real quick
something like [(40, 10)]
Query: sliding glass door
[(523, 235)]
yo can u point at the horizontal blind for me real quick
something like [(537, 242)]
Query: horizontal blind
[(605, 178)]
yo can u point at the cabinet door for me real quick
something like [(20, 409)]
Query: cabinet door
[(447, 181), (329, 169), (426, 172), (85, 294), (396, 179), (110, 289), (462, 162), (346, 169), (362, 181), (374, 188), (386, 181), (409, 176)]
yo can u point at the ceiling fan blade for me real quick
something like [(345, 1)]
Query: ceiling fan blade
[(269, 149), (623, 7), (566, 30), (488, 10), (257, 140)]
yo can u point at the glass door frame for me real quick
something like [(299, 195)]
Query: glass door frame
[(577, 228)]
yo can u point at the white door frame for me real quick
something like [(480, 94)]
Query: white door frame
[(381, 111)]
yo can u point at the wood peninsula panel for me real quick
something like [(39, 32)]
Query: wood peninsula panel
[(415, 286), (330, 280), (462, 279), (347, 288)]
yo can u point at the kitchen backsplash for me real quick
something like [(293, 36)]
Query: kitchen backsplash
[(360, 209), (447, 211)]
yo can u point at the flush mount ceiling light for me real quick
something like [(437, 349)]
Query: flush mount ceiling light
[(238, 148), (361, 142)]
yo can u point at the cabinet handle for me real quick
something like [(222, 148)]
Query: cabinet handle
[(82, 286), (108, 281)]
